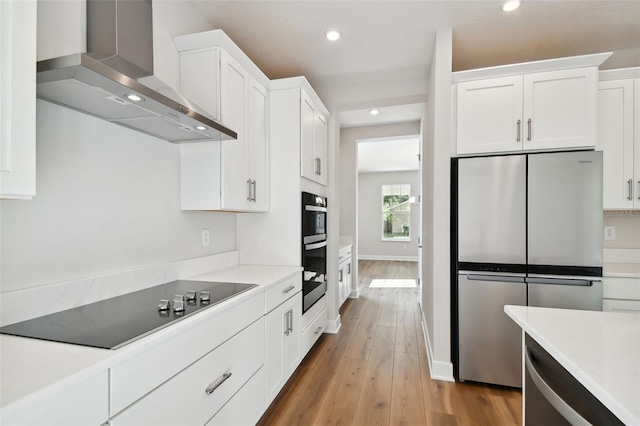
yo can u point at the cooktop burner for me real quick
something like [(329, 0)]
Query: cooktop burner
[(112, 323)]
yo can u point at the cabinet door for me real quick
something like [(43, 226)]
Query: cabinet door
[(282, 355), (235, 109), (308, 162), (320, 148), (489, 115), (342, 274), (258, 148), (348, 282), (615, 140), (17, 99), (200, 80), (636, 143), (560, 109)]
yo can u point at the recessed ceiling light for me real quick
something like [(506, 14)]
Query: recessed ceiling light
[(333, 35), (201, 127), (134, 98), (511, 5), (374, 111)]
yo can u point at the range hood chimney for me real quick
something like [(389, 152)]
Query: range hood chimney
[(104, 82)]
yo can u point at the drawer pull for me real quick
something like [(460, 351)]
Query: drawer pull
[(288, 289), (217, 384), (319, 329)]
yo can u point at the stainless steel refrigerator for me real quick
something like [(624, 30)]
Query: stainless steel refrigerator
[(529, 232)]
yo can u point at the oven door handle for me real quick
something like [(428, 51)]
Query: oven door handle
[(315, 209), (315, 245)]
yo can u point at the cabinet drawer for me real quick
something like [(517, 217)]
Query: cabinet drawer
[(246, 407), (135, 377), (312, 333), (184, 400), (281, 291), (621, 305), (86, 403), (344, 253), (621, 288)]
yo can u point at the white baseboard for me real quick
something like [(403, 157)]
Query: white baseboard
[(439, 370), (333, 325), (384, 257)]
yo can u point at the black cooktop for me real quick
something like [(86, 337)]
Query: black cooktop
[(112, 323)]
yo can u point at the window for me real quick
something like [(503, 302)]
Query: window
[(396, 212)]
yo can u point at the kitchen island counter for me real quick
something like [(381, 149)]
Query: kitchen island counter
[(600, 349), (33, 371)]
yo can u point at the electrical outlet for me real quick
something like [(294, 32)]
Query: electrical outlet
[(206, 238), (609, 232)]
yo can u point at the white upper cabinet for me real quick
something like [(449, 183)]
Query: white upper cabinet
[(618, 108), (313, 150), (220, 81), (528, 107), (17, 99)]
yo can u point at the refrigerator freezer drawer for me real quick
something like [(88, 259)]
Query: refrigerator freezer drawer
[(490, 348), (566, 296)]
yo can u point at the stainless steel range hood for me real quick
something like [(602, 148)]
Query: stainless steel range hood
[(104, 82)]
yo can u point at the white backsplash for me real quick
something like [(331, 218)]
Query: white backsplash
[(621, 255), (35, 302)]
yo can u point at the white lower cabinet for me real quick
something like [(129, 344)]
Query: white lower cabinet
[(196, 394), (246, 407), (314, 323), (86, 403), (621, 294), (282, 344), (345, 285)]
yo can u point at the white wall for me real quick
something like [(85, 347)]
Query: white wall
[(437, 136), (107, 200), (370, 244)]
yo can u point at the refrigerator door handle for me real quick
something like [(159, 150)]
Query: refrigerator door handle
[(560, 281), (500, 278)]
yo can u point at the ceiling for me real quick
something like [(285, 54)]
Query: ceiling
[(394, 39), (384, 40)]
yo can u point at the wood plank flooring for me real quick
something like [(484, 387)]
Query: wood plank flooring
[(375, 370)]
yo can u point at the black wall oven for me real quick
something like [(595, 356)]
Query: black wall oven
[(314, 249)]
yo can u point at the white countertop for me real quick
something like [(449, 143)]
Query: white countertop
[(32, 370), (600, 349)]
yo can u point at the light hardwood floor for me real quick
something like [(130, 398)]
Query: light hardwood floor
[(375, 370)]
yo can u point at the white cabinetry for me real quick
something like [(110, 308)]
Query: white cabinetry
[(282, 336), (345, 285), (513, 108), (621, 294), (618, 108), (228, 175), (86, 403), (196, 394), (313, 140), (17, 99)]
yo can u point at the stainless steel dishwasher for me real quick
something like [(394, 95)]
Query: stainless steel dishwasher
[(490, 342)]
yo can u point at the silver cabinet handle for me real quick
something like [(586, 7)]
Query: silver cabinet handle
[(318, 330), (630, 183), (519, 124), (318, 166), (286, 323), (639, 190), (218, 382), (340, 275), (288, 289), (529, 130), (554, 399), (348, 268), (248, 189), (291, 320), (254, 190)]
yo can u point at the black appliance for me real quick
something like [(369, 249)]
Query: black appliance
[(114, 322), (314, 249)]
